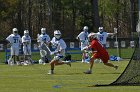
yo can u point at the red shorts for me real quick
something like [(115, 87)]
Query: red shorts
[(103, 57)]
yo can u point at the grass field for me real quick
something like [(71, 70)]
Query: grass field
[(34, 78)]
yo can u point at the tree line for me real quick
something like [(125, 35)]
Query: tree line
[(69, 16)]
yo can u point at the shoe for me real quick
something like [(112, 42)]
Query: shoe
[(88, 72), (69, 63), (116, 67), (50, 72)]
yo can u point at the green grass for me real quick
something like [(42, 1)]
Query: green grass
[(34, 78)]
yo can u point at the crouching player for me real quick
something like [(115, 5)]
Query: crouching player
[(59, 52), (98, 52), (26, 41), (14, 41)]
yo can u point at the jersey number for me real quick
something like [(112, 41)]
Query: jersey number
[(101, 38), (44, 39), (15, 40)]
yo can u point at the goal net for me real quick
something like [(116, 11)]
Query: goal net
[(131, 75)]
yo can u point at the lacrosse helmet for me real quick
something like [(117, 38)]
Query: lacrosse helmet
[(101, 29), (26, 32), (43, 31), (85, 28), (15, 31), (57, 34), (91, 36)]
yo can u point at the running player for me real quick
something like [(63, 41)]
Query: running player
[(59, 52), (98, 52), (14, 40)]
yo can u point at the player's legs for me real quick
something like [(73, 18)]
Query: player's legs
[(48, 55), (83, 52), (27, 55), (91, 65), (105, 61), (43, 55), (17, 56), (11, 60), (83, 56), (56, 61)]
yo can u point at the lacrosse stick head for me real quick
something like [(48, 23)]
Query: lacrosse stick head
[(43, 53)]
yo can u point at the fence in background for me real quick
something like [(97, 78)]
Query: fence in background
[(125, 46)]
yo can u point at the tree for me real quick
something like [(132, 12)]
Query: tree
[(96, 18)]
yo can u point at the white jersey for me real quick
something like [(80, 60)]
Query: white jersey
[(60, 45), (43, 39), (102, 37), (83, 37), (14, 40), (26, 40)]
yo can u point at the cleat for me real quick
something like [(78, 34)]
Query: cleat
[(116, 67), (50, 72), (88, 72)]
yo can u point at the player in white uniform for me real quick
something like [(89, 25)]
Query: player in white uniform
[(83, 37), (43, 41), (14, 41), (102, 36), (26, 41), (59, 52)]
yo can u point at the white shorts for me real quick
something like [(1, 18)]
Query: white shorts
[(83, 45), (15, 51), (26, 50)]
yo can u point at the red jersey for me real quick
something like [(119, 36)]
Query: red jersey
[(100, 51)]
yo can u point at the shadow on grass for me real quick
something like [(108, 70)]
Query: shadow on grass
[(109, 85)]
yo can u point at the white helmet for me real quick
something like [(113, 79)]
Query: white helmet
[(15, 31), (26, 32), (101, 29), (57, 34), (85, 28), (92, 36), (43, 30)]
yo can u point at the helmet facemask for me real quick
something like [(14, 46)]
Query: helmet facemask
[(57, 34), (15, 31), (91, 36), (43, 31), (101, 29), (26, 33), (85, 29)]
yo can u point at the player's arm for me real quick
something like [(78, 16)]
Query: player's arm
[(8, 40), (111, 34)]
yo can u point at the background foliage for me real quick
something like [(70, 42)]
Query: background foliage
[(68, 15)]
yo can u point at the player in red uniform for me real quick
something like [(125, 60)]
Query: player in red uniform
[(98, 51)]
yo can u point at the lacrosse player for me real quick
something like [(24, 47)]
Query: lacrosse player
[(43, 41), (14, 41), (26, 41), (59, 52), (98, 52), (83, 37), (102, 36)]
